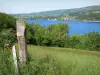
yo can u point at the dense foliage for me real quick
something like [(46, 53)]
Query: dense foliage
[(90, 41), (57, 35), (7, 38), (52, 35), (7, 30), (7, 21)]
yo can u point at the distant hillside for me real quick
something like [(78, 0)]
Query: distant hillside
[(85, 13), (67, 11)]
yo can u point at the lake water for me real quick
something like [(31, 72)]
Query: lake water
[(76, 27)]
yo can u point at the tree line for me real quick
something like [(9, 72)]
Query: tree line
[(88, 15), (57, 35)]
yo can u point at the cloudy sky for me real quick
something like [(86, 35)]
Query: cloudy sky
[(28, 6)]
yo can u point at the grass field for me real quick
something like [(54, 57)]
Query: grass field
[(72, 61)]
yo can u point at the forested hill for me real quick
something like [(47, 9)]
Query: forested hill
[(85, 13), (68, 11)]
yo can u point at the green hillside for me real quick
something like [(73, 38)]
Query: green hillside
[(85, 13), (68, 11)]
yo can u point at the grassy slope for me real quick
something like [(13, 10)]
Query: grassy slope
[(77, 62)]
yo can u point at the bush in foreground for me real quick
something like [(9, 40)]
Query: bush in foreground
[(43, 66)]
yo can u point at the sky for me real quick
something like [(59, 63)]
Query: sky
[(29, 6)]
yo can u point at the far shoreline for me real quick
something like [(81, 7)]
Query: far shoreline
[(85, 20), (67, 20), (89, 21)]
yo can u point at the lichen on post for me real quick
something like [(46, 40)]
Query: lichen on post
[(21, 37)]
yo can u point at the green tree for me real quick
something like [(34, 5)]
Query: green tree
[(58, 33), (7, 30), (93, 41)]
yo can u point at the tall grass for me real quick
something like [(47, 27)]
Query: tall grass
[(6, 63), (53, 61), (43, 66), (72, 61)]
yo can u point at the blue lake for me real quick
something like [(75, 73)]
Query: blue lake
[(75, 27)]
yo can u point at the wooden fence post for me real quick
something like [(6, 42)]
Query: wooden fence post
[(21, 37), (15, 59)]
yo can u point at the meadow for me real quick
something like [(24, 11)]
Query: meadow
[(71, 61), (53, 61)]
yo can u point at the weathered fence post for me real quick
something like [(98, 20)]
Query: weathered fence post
[(21, 37), (15, 59)]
